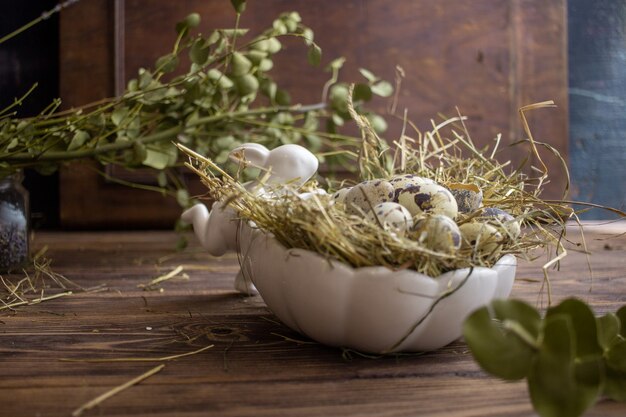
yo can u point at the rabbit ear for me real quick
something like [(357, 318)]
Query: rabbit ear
[(252, 153)]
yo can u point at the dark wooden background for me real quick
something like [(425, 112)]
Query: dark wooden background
[(488, 57)]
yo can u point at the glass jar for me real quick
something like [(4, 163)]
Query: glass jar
[(14, 223)]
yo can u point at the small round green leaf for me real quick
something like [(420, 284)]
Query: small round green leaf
[(378, 122), (608, 329), (615, 384), (273, 45), (314, 55), (362, 92), (584, 326), (616, 356), (78, 140), (382, 89), (266, 65), (240, 64), (239, 5), (192, 20), (556, 387), (199, 51), (497, 350), (368, 75), (621, 315), (167, 63), (282, 97), (246, 84)]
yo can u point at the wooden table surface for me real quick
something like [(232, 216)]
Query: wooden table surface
[(257, 367)]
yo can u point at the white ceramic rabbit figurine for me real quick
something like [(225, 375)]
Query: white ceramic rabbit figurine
[(217, 230)]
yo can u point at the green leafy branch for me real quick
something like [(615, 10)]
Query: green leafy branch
[(569, 358), (227, 96)]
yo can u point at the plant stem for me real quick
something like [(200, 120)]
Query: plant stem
[(155, 137)]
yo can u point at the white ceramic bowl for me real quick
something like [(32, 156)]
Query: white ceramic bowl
[(371, 309)]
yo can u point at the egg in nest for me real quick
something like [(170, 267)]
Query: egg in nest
[(364, 196), (391, 216), (427, 198)]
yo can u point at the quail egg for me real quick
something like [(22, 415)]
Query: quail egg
[(364, 196), (391, 216), (400, 182), (339, 196), (438, 232), (468, 196), (501, 220), (482, 237), (428, 198)]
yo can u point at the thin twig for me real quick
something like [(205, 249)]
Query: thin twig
[(162, 359), (99, 399)]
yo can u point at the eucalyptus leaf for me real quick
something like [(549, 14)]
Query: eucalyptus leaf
[(382, 89), (118, 115), (162, 179), (14, 142), (256, 56), (273, 45), (552, 384), (336, 64), (498, 350), (78, 140), (156, 158), (282, 97), (261, 45), (182, 197), (46, 169), (191, 21), (266, 65), (378, 122), (199, 51), (239, 5), (139, 153), (362, 92), (279, 27), (616, 356), (314, 55), (308, 36), (247, 84), (368, 75), (240, 64), (615, 384), (608, 330), (181, 243), (584, 322), (337, 119), (339, 97), (167, 63), (621, 315)]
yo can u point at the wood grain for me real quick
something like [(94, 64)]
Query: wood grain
[(486, 57), (258, 367)]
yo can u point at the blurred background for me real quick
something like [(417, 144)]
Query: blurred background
[(486, 57)]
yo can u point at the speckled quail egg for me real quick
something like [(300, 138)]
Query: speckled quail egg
[(428, 198), (438, 232), (339, 196), (391, 216), (401, 182), (468, 196), (364, 196), (501, 220), (482, 237)]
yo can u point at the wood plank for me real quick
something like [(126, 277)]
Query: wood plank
[(257, 366)]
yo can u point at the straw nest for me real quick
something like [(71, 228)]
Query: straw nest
[(446, 155)]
